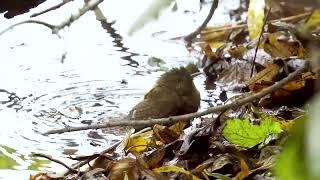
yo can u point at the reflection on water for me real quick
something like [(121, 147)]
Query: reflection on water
[(117, 40), (48, 83)]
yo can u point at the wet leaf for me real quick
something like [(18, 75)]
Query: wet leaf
[(176, 169), (246, 134), (255, 17)]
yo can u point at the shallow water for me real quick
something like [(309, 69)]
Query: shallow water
[(84, 77)]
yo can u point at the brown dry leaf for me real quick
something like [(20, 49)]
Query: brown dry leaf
[(294, 93), (155, 158), (40, 176), (169, 134), (264, 76), (178, 127), (164, 134), (244, 172), (129, 169), (237, 52), (282, 45), (208, 51)]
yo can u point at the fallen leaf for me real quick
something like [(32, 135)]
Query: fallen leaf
[(243, 133), (283, 45), (266, 75), (140, 143), (244, 172)]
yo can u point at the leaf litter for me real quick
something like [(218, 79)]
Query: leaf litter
[(239, 143)]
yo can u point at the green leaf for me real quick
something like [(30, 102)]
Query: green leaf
[(255, 17), (291, 163), (246, 134), (151, 13)]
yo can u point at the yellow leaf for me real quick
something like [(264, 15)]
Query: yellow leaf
[(215, 36), (139, 143), (255, 17), (216, 45), (313, 21)]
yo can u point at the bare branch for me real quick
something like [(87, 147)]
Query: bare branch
[(50, 26), (192, 35), (56, 28), (51, 8), (91, 5), (187, 117)]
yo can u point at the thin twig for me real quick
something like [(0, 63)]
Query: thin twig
[(55, 160), (249, 98), (56, 28), (192, 35), (258, 43), (51, 8), (50, 26)]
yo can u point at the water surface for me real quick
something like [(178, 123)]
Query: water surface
[(89, 74)]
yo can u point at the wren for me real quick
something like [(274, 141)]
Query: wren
[(173, 94)]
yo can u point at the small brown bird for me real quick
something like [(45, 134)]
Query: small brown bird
[(173, 94)]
